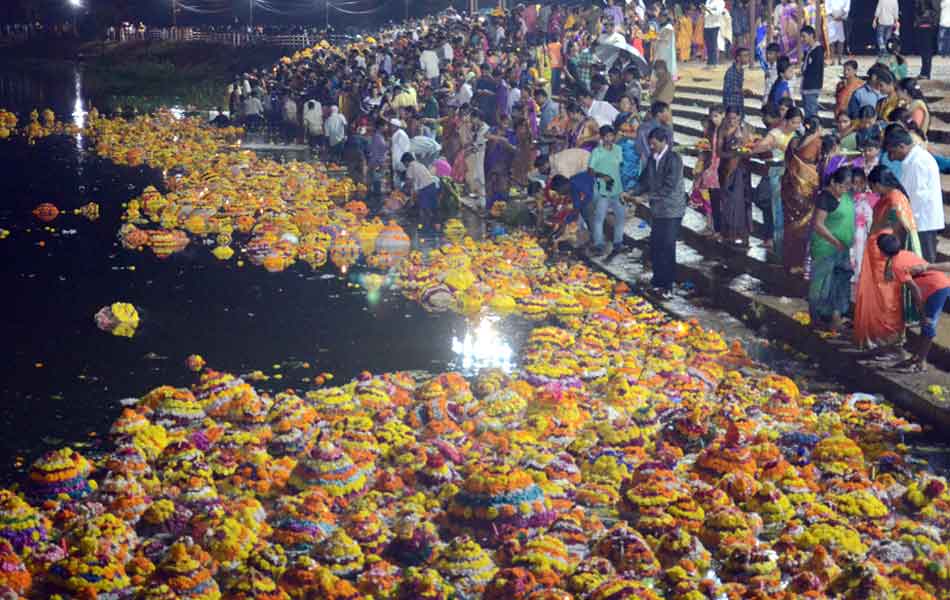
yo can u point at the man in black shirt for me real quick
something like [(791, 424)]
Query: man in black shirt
[(813, 71), (485, 94), (617, 87), (927, 19)]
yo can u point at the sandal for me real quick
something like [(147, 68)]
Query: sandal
[(911, 365)]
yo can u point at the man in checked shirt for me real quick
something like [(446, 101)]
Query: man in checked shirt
[(733, 93)]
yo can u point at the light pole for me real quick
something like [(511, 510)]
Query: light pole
[(174, 13)]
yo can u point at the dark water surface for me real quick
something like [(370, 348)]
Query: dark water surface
[(63, 378)]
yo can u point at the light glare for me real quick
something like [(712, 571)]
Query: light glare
[(483, 347)]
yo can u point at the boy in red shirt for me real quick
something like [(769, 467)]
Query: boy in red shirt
[(929, 286)]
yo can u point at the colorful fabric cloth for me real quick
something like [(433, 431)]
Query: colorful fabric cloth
[(799, 185), (880, 312), (829, 290)]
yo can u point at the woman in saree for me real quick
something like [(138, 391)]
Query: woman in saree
[(499, 155), (829, 290), (583, 132), (452, 144), (704, 196), (699, 42), (881, 306), (831, 156), (912, 98), (890, 101), (735, 180), (665, 44), (790, 20), (523, 161), (663, 88), (800, 183), (781, 128), (684, 34)]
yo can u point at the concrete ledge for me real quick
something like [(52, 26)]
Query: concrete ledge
[(836, 357)]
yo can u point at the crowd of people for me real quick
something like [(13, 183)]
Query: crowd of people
[(569, 111)]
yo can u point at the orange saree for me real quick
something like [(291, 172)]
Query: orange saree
[(799, 184), (843, 94), (684, 38), (879, 313)]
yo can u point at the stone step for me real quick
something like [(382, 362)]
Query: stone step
[(699, 95), (689, 130), (774, 317), (745, 263)]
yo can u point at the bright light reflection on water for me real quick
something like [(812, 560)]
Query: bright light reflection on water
[(483, 347), (79, 113)]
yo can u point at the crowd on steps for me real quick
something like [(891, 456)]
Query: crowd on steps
[(562, 118)]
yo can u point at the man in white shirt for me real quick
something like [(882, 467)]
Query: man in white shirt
[(335, 127), (429, 61), (399, 145), (448, 53), (712, 20), (886, 17), (602, 112), (569, 162), (838, 11), (423, 188), (920, 177), (253, 111), (464, 94)]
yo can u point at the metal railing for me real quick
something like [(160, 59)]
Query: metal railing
[(232, 38)]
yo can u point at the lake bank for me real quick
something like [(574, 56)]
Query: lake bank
[(134, 76)]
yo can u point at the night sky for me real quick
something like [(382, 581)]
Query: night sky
[(210, 12)]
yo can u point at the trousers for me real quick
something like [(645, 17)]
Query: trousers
[(810, 102), (711, 39), (928, 46), (663, 235), (884, 33), (603, 204), (928, 245)]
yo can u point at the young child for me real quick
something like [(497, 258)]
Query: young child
[(770, 68), (706, 182), (870, 155), (864, 202), (929, 287)]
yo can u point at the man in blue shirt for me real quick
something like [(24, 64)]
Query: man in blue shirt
[(869, 93), (549, 109), (580, 188), (733, 83)]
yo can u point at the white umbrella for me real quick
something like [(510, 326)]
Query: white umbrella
[(609, 47)]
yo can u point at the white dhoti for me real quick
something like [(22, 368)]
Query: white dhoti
[(475, 173), (835, 31)]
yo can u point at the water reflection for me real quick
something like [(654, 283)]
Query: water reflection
[(79, 113), (483, 347)]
